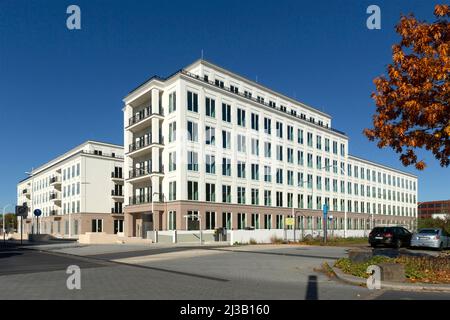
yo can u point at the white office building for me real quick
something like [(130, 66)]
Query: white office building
[(80, 191), (207, 146)]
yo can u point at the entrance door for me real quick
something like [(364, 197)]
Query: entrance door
[(147, 224)]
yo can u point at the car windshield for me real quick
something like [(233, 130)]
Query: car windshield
[(429, 231), (386, 229)]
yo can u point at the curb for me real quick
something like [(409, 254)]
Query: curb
[(391, 285)]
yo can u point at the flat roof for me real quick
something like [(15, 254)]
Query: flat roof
[(381, 165)]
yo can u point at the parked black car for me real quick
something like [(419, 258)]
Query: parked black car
[(390, 236)]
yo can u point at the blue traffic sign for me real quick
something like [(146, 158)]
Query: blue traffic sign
[(37, 212), (325, 209)]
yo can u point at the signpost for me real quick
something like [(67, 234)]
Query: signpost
[(22, 212), (325, 224), (37, 213)]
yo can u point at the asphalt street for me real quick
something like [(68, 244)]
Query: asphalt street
[(184, 272)]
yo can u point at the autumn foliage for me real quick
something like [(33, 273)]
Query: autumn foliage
[(412, 102)]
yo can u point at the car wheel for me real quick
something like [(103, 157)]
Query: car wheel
[(398, 243)]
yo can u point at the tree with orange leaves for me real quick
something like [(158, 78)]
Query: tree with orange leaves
[(412, 103)]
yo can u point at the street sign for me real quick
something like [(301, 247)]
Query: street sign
[(37, 212), (325, 209), (289, 221), (22, 211)]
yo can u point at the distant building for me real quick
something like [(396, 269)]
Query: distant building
[(434, 209), (77, 192)]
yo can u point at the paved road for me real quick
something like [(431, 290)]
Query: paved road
[(186, 272)]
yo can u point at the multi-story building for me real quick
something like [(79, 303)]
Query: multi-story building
[(434, 209), (208, 146), (80, 191)]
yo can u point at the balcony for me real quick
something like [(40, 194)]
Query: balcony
[(117, 194), (116, 176), (141, 174), (55, 182), (26, 193), (55, 197), (54, 212), (143, 146), (137, 200), (114, 211), (142, 119)]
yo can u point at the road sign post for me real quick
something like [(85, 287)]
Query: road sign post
[(37, 213), (325, 222)]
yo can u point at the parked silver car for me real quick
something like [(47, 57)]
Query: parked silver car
[(431, 238)]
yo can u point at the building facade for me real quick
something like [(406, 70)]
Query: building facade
[(80, 191), (206, 148), (434, 209)]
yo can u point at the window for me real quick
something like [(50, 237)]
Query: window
[(226, 194), (319, 162), (210, 135), (234, 89), (310, 139), (192, 131), (219, 83), (255, 196), (290, 133), (267, 174), (241, 143), (240, 117), (172, 190), (267, 198), (310, 160), (255, 122), (335, 147), (300, 136), (255, 147), (226, 220), (97, 225), (210, 220), (279, 127), (172, 131), (279, 198), (226, 167), (192, 190), (279, 176), (78, 169), (342, 150), (226, 112), (327, 145), (267, 149), (192, 161), (226, 139), (210, 164), (172, 223), (290, 155), (241, 220), (210, 192), (255, 220), (290, 177), (241, 195), (192, 101), (241, 169), (280, 153), (319, 142), (210, 106), (255, 172), (300, 159), (172, 102), (267, 126)]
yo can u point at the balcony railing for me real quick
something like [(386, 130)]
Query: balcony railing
[(25, 191), (54, 196), (142, 199), (117, 193), (108, 155), (54, 180), (114, 211), (115, 175), (143, 114), (141, 172), (260, 101), (143, 143)]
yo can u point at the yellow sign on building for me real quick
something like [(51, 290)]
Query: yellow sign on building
[(289, 221)]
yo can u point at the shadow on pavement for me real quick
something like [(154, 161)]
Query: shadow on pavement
[(394, 253), (312, 290)]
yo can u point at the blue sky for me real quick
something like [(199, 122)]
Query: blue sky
[(59, 87)]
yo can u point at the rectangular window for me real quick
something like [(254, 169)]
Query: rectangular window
[(267, 126), (172, 102), (226, 194), (192, 190), (255, 122), (241, 195), (241, 169), (255, 147), (172, 190), (226, 139), (210, 135), (192, 101), (255, 196), (267, 149), (210, 106), (290, 133), (255, 172), (267, 174), (210, 220), (210, 164), (210, 192), (300, 136), (226, 167), (172, 131), (240, 117), (279, 127), (192, 161), (241, 143), (172, 161), (267, 198), (226, 112), (192, 131)]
